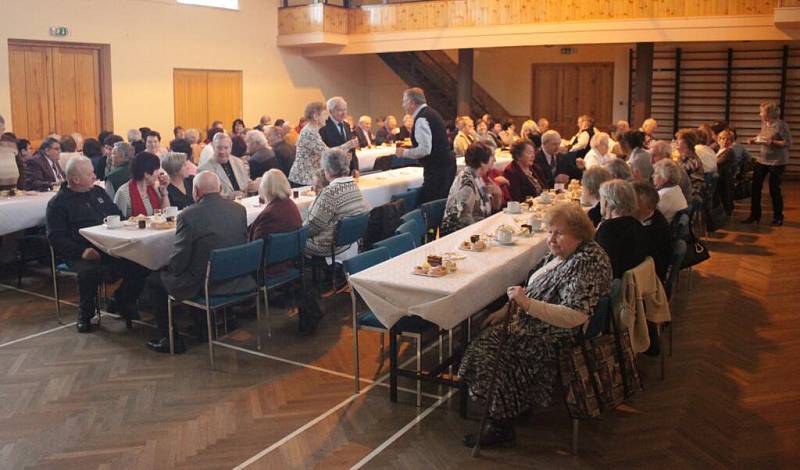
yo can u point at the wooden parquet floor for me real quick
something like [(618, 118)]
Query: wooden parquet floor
[(731, 397)]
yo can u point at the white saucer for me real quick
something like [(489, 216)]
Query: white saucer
[(113, 228), (506, 211), (512, 242)]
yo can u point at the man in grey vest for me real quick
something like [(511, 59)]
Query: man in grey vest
[(430, 146)]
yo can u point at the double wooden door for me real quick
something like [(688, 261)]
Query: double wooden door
[(55, 89), (204, 96), (562, 92)]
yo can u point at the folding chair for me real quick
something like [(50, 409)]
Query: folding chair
[(62, 268), (410, 198), (398, 244), (280, 247), (348, 230), (434, 213), (413, 228), (409, 327), (224, 264)]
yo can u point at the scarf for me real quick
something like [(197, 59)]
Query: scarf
[(137, 204)]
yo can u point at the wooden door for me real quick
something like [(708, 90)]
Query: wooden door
[(562, 92), (203, 96), (55, 89)]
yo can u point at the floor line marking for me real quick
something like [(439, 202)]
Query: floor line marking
[(19, 340), (367, 458)]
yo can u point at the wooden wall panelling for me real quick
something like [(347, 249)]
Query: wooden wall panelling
[(31, 91), (191, 99), (224, 96), (19, 90), (76, 87), (66, 106), (87, 64)]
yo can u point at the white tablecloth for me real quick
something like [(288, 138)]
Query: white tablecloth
[(152, 248), (23, 211), (391, 290), (367, 156), (501, 157)]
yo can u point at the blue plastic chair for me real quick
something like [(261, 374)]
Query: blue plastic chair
[(224, 264), (434, 213), (398, 244), (410, 327), (58, 267), (413, 228), (410, 199), (416, 215), (348, 230), (278, 248)]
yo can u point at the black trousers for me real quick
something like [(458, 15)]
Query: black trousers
[(437, 182), (760, 173), (92, 273), (158, 295), (724, 193)]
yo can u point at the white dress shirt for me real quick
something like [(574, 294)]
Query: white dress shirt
[(593, 158), (423, 136)]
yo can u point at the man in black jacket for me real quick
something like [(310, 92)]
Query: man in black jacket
[(81, 204), (430, 146), (284, 151), (555, 167), (336, 130)]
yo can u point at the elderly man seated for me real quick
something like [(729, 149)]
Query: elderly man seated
[(121, 156), (388, 133), (43, 170), (212, 222), (284, 151), (234, 178), (81, 204), (262, 158), (554, 167)]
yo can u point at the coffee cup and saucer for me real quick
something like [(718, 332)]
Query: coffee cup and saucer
[(113, 222)]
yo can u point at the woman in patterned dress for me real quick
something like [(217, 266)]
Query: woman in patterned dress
[(559, 298), (470, 198), (687, 140), (310, 147)]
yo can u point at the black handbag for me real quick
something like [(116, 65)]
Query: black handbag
[(696, 252)]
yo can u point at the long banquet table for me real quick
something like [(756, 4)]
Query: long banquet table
[(152, 248), (391, 290), (501, 159), (23, 211), (367, 156)]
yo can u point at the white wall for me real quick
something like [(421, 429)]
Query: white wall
[(149, 38)]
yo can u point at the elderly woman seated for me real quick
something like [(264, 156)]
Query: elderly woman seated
[(179, 189), (470, 198), (560, 296), (590, 196), (666, 176), (146, 191), (620, 233), (523, 182), (339, 199), (279, 215), (600, 154)]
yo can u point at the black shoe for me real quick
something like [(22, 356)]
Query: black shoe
[(84, 326), (751, 220), (493, 436), (162, 345), (777, 222)]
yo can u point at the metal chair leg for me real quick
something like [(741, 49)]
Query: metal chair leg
[(170, 328), (419, 370), (661, 353), (55, 291), (258, 321), (575, 430), (266, 307), (671, 326), (450, 349), (357, 372), (383, 349), (210, 337)]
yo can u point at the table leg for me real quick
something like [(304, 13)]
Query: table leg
[(462, 389), (393, 364)]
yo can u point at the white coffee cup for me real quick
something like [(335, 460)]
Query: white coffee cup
[(112, 221), (535, 223), (503, 236), (513, 207), (171, 211)]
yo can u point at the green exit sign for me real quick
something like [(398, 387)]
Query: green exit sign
[(59, 31)]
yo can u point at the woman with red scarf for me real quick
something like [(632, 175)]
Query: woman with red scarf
[(147, 189)]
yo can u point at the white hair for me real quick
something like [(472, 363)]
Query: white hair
[(364, 119), (619, 195), (220, 136), (551, 136), (334, 102), (598, 139), (73, 165), (336, 163), (256, 138), (134, 135), (192, 136), (274, 186)]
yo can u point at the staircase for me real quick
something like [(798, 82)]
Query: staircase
[(437, 74)]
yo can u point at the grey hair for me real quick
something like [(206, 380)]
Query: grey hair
[(312, 109), (206, 182), (192, 136), (619, 196), (124, 150), (619, 169), (336, 163), (598, 139), (551, 135), (256, 137), (274, 186), (642, 168), (72, 165), (669, 171), (416, 95), (364, 119), (173, 162), (660, 147), (275, 133), (220, 136), (333, 102), (593, 178), (134, 135)]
